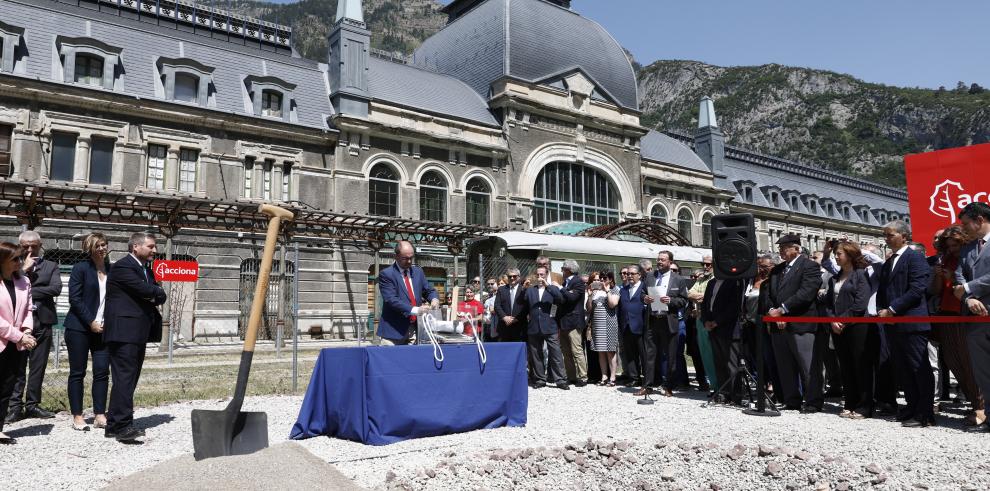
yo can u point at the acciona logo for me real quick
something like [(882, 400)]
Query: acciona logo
[(950, 197), (162, 270)]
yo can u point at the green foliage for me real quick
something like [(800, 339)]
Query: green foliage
[(822, 118)]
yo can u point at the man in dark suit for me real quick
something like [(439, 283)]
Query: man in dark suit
[(405, 291), (798, 347), (720, 311), (973, 279), (131, 320), (904, 280), (663, 326), (542, 301), (510, 309), (572, 322), (46, 284), (632, 314)]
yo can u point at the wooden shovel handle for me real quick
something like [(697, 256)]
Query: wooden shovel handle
[(261, 289)]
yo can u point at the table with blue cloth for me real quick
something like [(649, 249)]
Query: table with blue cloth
[(381, 395)]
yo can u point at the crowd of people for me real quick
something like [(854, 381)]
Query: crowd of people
[(644, 324), (112, 316)]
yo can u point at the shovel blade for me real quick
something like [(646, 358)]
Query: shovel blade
[(223, 433)]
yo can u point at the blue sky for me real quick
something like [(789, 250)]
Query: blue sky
[(905, 43)]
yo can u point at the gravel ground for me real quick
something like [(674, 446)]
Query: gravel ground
[(675, 443)]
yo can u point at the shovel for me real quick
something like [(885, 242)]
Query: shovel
[(232, 431)]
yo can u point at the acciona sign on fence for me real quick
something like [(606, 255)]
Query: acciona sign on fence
[(941, 183), (176, 270)]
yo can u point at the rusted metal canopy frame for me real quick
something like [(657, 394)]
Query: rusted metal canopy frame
[(32, 202), (652, 230)]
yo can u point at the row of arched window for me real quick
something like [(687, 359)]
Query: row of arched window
[(685, 221), (383, 196)]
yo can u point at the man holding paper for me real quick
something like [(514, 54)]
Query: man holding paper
[(666, 294)]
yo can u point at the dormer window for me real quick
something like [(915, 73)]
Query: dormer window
[(186, 88), (748, 194), (794, 202), (271, 103), (89, 70), (10, 40), (185, 80), (88, 61), (270, 97)]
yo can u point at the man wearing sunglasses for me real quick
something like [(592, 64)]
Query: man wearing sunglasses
[(510, 309)]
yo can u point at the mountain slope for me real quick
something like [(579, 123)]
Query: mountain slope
[(814, 116)]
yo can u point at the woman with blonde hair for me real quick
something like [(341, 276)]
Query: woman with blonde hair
[(84, 331)]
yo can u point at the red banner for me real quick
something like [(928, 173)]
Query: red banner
[(941, 183), (176, 270)]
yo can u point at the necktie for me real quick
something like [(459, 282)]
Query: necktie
[(890, 263), (512, 299), (787, 269), (412, 296)]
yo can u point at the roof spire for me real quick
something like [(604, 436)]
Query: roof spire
[(706, 113), (349, 9)]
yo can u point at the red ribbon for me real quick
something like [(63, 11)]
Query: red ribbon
[(934, 319)]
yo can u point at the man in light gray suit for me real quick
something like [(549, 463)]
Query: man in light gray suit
[(973, 288)]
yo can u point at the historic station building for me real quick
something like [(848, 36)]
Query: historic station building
[(518, 115)]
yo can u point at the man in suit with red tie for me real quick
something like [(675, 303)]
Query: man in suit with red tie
[(131, 321), (405, 291), (904, 279), (973, 288)]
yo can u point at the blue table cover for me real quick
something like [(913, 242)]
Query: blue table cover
[(382, 395)]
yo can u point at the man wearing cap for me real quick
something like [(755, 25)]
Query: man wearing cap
[(798, 347)]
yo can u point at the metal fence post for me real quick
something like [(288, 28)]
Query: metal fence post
[(295, 319), (167, 308), (280, 323)]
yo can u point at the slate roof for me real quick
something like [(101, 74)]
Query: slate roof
[(659, 147), (530, 40), (768, 171), (143, 43), (426, 91)]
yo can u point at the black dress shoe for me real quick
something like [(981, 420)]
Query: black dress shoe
[(792, 407), (539, 384), (7, 440), (811, 409), (580, 383), (917, 423), (983, 428), (128, 434), (563, 386), (904, 415), (37, 412), (13, 416), (704, 388)]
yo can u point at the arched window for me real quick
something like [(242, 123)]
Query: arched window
[(433, 197), (478, 201), (383, 191), (684, 219), (706, 230), (89, 70), (573, 192), (659, 212)]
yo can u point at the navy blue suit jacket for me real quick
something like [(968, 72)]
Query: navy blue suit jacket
[(84, 296), (570, 314), (632, 310), (540, 321), (903, 289), (130, 314), (396, 303)]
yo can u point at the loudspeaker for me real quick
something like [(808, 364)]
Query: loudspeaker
[(734, 246)]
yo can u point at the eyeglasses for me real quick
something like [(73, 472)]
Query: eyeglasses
[(513, 276), (707, 265)]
